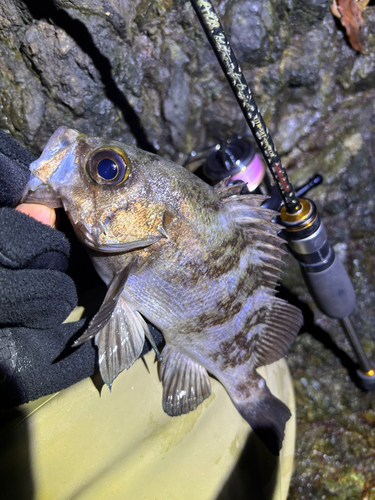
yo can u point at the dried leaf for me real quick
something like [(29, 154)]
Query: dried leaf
[(362, 4), (350, 14), (335, 10)]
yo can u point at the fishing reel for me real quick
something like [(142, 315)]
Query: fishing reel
[(304, 234), (236, 160)]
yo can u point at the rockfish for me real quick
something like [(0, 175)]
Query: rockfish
[(199, 263)]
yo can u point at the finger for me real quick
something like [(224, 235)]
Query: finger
[(42, 213)]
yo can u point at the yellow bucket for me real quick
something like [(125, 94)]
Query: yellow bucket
[(80, 444)]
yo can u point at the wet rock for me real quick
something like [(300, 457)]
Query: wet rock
[(308, 14), (143, 73), (255, 32)]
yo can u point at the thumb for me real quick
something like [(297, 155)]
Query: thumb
[(41, 213)]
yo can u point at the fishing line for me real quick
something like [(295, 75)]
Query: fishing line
[(232, 70)]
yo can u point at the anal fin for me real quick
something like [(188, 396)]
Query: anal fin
[(186, 384)]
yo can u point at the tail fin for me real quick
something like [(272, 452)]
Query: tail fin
[(265, 413), (267, 417)]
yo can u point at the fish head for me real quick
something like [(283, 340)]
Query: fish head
[(102, 188)]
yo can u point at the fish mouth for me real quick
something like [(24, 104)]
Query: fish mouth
[(39, 188), (91, 240), (86, 237), (36, 191)]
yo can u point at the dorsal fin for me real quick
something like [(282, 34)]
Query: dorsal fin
[(260, 232), (225, 191), (228, 192)]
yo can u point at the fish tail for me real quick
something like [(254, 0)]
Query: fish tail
[(267, 417), (265, 413)]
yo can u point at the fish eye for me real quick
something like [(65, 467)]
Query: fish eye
[(107, 169), (108, 165)]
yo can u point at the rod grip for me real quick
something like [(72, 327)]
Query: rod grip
[(323, 272), (331, 289)]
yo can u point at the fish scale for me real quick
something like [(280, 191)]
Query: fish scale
[(199, 263)]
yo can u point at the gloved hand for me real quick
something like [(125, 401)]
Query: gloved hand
[(36, 296)]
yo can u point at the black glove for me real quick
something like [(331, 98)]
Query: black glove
[(14, 170)]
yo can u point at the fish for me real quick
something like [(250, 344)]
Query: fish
[(200, 263)]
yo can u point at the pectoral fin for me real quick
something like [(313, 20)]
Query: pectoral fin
[(104, 314), (120, 342), (185, 383), (118, 329)]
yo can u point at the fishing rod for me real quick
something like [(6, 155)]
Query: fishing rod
[(323, 272), (232, 70)]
